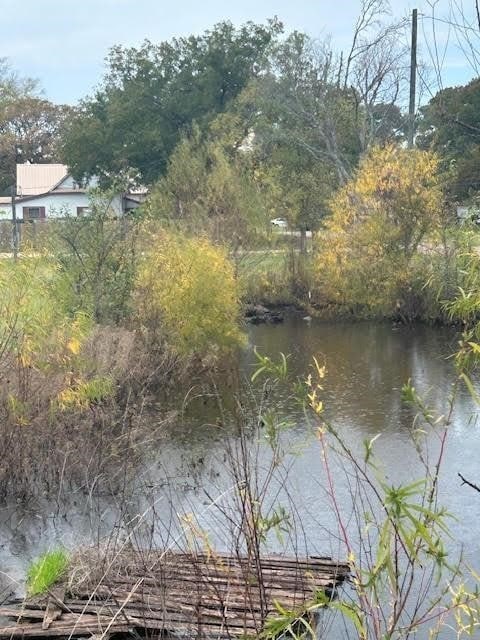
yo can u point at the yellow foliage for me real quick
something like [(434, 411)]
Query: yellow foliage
[(85, 393), (74, 346), (400, 184), (186, 288), (35, 327), (39, 339), (379, 220)]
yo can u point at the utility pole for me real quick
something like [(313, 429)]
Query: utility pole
[(413, 81), (14, 223)]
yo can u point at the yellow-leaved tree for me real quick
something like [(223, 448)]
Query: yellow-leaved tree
[(187, 294), (376, 243)]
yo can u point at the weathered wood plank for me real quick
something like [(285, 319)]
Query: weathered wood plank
[(204, 596), (21, 613), (55, 606)]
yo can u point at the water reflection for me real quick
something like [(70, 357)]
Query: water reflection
[(367, 366)]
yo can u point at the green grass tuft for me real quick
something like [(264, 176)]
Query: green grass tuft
[(45, 571)]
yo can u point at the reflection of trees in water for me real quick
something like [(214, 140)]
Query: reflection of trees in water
[(367, 365)]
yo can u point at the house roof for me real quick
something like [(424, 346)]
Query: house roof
[(35, 179)]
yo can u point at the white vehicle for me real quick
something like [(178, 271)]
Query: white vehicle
[(279, 222)]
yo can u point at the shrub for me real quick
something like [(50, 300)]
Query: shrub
[(97, 257), (186, 293), (45, 571), (211, 186), (383, 223), (41, 345)]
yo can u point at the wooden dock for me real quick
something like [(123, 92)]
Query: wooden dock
[(166, 593)]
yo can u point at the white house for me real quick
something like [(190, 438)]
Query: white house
[(48, 191)]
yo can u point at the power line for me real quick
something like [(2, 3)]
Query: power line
[(457, 25)]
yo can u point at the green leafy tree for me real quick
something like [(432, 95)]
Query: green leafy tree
[(29, 132), (210, 187), (450, 125), (151, 95), (29, 125), (301, 141)]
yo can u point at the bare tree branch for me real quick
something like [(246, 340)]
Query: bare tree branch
[(369, 13), (467, 482)]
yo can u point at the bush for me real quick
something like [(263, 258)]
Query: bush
[(40, 342), (97, 256), (186, 293), (383, 226)]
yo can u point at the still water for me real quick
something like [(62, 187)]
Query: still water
[(367, 364)]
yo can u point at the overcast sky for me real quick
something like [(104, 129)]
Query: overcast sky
[(64, 43)]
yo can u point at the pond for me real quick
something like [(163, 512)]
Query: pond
[(367, 364)]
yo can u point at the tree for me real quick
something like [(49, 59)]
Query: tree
[(318, 113), (304, 139), (379, 220), (29, 125), (335, 108), (307, 109), (29, 132), (210, 187), (298, 187), (450, 125), (152, 95)]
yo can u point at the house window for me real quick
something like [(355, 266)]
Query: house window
[(82, 211), (33, 213)]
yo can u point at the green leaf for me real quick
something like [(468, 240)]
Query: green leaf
[(470, 388)]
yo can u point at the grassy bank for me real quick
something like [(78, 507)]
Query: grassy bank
[(426, 286)]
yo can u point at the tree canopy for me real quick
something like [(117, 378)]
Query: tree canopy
[(30, 126), (151, 95), (450, 125)]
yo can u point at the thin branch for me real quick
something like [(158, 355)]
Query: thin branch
[(467, 482)]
